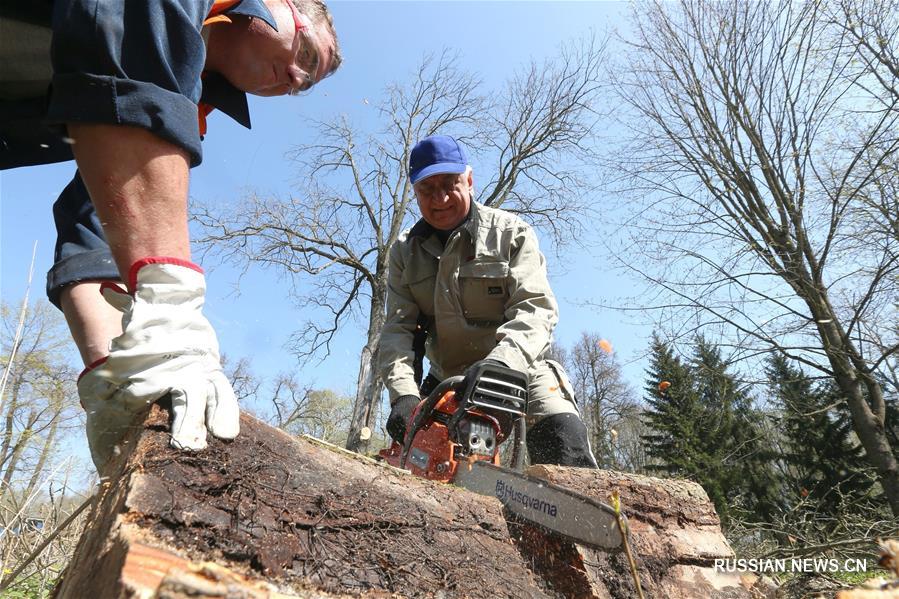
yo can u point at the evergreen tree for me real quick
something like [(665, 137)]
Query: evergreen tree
[(705, 428), (681, 426), (891, 424), (743, 457), (672, 415), (826, 466)]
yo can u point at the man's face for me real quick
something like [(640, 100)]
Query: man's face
[(444, 200), (266, 62)]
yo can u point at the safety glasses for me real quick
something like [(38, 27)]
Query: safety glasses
[(307, 59)]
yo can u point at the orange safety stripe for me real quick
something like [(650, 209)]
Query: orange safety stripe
[(215, 16)]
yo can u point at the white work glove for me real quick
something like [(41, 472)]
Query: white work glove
[(167, 347)]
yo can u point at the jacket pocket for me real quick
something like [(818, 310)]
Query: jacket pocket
[(485, 290)]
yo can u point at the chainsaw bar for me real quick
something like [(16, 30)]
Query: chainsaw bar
[(580, 519)]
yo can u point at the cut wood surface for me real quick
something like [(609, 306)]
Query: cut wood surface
[(269, 516), (674, 532)]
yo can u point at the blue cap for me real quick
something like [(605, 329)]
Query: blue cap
[(436, 155)]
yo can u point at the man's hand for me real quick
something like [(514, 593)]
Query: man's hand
[(167, 347), (400, 413)]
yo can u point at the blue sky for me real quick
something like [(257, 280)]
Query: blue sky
[(381, 42)]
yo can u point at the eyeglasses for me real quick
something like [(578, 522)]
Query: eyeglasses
[(438, 186), (307, 59)]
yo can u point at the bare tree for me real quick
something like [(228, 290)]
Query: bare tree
[(755, 141), (542, 136), (356, 197), (871, 30), (40, 401), (246, 384), (608, 404), (321, 413), (285, 402), (39, 408), (37, 542), (872, 26), (340, 234)]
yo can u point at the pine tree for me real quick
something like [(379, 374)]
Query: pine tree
[(704, 428), (743, 456), (680, 425), (672, 414), (826, 467)]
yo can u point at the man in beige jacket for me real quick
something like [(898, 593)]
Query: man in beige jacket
[(472, 281)]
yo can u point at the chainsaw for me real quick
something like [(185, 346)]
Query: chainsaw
[(455, 434)]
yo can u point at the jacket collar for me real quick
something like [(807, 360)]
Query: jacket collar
[(253, 8), (473, 221), (218, 91), (221, 95), (421, 229)]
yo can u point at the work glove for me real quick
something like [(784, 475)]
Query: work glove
[(167, 347), (400, 414)]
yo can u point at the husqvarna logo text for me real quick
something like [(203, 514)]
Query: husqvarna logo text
[(508, 494)]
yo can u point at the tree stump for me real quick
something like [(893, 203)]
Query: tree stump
[(268, 516)]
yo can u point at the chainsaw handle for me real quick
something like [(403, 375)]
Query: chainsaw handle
[(520, 445), (423, 411)]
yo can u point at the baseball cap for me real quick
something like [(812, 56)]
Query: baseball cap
[(436, 155)]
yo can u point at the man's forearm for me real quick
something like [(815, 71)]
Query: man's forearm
[(397, 374), (519, 342), (138, 184), (395, 358)]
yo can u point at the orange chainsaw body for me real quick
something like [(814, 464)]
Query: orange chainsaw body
[(433, 454)]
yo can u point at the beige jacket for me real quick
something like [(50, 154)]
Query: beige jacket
[(486, 294)]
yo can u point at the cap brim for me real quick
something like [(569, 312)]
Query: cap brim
[(441, 168)]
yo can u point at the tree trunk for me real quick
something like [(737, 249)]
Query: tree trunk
[(46, 450), (871, 432), (362, 405), (310, 519), (868, 421), (368, 383), (8, 429), (675, 537), (21, 444), (268, 511)]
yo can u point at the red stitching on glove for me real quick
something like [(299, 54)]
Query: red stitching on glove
[(92, 365), (132, 272)]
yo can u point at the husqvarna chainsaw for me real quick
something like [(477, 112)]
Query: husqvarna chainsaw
[(455, 434)]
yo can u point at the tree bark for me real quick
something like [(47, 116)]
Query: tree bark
[(12, 406), (675, 535), (268, 511), (362, 405), (294, 513), (369, 386), (868, 413)]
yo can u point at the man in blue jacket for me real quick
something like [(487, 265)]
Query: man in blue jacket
[(124, 88)]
